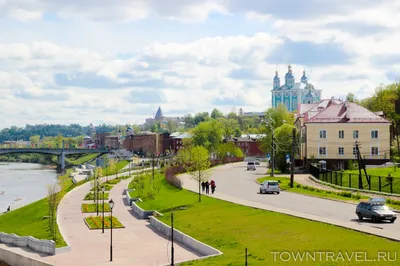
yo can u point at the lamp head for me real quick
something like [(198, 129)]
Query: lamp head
[(111, 202)]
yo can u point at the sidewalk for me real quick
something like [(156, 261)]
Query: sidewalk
[(136, 244)]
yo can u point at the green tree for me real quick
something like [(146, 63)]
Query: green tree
[(351, 98), (35, 140), (279, 115), (207, 134), (229, 127), (216, 114), (201, 117), (172, 126), (196, 161)]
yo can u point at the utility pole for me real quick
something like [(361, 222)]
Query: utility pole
[(360, 183), (292, 162), (273, 153), (172, 240)]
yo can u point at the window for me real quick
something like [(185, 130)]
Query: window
[(341, 151), (322, 134), (341, 134), (322, 150), (374, 134), (374, 151), (355, 134)]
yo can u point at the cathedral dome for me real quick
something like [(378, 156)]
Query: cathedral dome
[(304, 78), (310, 94), (276, 78)]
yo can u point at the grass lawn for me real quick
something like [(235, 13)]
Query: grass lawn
[(29, 221), (350, 179), (95, 222), (90, 196), (307, 190), (92, 207), (107, 186), (122, 164), (84, 158), (113, 181), (230, 228)]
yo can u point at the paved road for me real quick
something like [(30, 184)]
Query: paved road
[(236, 184)]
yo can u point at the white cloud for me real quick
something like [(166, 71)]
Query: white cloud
[(72, 81)]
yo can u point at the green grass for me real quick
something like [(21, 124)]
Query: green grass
[(122, 164), (84, 158), (350, 179), (108, 187), (276, 171), (86, 208), (29, 221), (95, 222), (307, 190), (90, 196), (113, 181), (230, 228)]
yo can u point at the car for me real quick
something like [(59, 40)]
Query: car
[(251, 166), (270, 186), (376, 210)]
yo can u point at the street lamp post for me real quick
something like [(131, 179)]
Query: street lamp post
[(111, 202), (103, 189), (97, 203)]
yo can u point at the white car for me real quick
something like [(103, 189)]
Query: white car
[(251, 166), (270, 186)]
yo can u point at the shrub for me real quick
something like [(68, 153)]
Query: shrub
[(345, 194), (175, 181)]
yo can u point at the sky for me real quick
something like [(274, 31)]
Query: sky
[(116, 62)]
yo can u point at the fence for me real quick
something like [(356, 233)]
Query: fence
[(382, 183)]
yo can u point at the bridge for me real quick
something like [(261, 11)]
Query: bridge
[(61, 153)]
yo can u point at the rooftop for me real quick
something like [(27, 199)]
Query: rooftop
[(335, 111)]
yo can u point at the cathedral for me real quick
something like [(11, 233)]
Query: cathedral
[(292, 93)]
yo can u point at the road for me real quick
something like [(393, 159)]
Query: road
[(234, 183)]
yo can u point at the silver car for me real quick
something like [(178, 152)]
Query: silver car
[(270, 186), (376, 210), (251, 166)]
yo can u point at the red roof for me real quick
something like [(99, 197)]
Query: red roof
[(343, 112)]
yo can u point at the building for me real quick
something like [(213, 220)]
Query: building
[(112, 142), (100, 139), (177, 140), (163, 120), (293, 93), (249, 144), (147, 143), (330, 129)]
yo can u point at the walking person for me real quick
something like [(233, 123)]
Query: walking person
[(203, 186), (213, 186), (207, 188)]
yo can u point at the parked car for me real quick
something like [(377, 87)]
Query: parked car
[(376, 210), (270, 186), (251, 166)]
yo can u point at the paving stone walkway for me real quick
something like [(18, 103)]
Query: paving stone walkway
[(136, 244)]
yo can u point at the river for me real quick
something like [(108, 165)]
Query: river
[(23, 183)]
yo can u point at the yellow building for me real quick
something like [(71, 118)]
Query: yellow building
[(330, 129)]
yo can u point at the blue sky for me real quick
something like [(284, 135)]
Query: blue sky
[(116, 61)]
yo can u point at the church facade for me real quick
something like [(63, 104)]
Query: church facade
[(293, 93)]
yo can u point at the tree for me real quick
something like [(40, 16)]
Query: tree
[(207, 134), (197, 164), (216, 114), (172, 126), (53, 199), (351, 98), (34, 140), (279, 115), (230, 127), (201, 117)]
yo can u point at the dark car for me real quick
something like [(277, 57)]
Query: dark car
[(376, 210)]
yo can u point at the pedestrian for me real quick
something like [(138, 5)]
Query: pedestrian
[(203, 186), (207, 188), (213, 186)]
